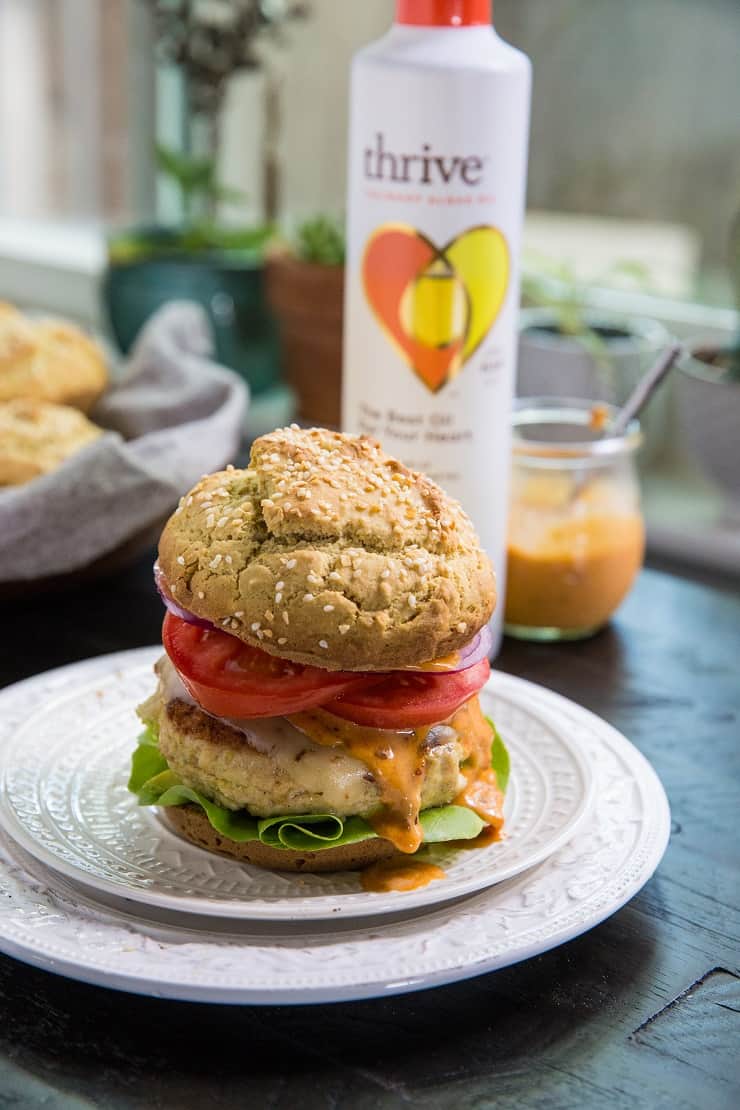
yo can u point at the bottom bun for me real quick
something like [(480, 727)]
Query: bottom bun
[(191, 822)]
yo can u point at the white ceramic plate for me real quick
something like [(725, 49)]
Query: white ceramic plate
[(64, 800), (45, 921)]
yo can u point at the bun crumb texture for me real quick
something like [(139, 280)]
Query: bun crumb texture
[(327, 551)]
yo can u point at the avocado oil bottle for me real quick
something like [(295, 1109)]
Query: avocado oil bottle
[(439, 121)]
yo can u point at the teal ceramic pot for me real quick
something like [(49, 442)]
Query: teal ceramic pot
[(229, 287)]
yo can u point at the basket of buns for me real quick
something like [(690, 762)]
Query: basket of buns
[(93, 457)]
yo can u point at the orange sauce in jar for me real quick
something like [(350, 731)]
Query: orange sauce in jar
[(572, 553)]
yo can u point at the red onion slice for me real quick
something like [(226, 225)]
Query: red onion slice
[(478, 648), (184, 614)]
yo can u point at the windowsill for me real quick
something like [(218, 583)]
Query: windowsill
[(53, 267)]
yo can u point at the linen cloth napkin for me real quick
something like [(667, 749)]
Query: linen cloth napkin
[(172, 416)]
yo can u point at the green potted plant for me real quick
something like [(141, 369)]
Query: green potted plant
[(305, 287), (567, 349), (201, 257), (708, 393)]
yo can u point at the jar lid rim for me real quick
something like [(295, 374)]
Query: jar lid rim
[(576, 412)]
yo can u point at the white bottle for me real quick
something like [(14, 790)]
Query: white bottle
[(437, 170)]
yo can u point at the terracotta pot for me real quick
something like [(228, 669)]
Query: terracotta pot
[(307, 299)]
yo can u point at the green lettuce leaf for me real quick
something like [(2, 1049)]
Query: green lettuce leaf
[(450, 823), (155, 784), (499, 758)]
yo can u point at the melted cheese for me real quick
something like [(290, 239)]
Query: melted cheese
[(396, 760)]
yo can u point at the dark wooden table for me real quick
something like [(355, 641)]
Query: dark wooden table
[(644, 1011)]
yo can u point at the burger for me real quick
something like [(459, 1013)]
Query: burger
[(325, 641)]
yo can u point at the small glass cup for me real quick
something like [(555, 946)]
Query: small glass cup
[(576, 536)]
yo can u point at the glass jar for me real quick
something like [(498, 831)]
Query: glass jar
[(576, 536)]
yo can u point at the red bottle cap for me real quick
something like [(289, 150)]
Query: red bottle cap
[(444, 13)]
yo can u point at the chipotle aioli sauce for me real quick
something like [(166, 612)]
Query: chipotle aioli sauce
[(396, 761), (573, 553)]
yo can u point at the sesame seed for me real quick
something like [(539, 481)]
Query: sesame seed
[(412, 601), (229, 560), (323, 644), (230, 466), (291, 562), (287, 505), (269, 615), (279, 585), (278, 598), (255, 626), (214, 562), (268, 504), (385, 573), (282, 640), (344, 628), (210, 519), (201, 595), (335, 576), (235, 624), (286, 618), (181, 560), (222, 521), (268, 633), (239, 613), (308, 597), (259, 634), (462, 627), (328, 608)]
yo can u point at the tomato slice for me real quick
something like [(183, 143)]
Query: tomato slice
[(232, 679), (404, 700)]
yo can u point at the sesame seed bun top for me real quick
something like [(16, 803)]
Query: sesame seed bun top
[(329, 552)]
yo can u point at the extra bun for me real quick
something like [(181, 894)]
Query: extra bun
[(36, 437), (48, 360), (329, 552), (191, 822)]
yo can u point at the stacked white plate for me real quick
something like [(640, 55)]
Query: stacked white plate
[(99, 889)]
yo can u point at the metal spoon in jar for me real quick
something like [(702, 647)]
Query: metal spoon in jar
[(644, 390), (634, 404)]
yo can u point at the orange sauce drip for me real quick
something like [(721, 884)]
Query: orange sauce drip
[(475, 737), (402, 875), (482, 795), (444, 663), (396, 762), (487, 836)]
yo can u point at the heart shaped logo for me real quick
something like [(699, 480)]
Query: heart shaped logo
[(435, 304)]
